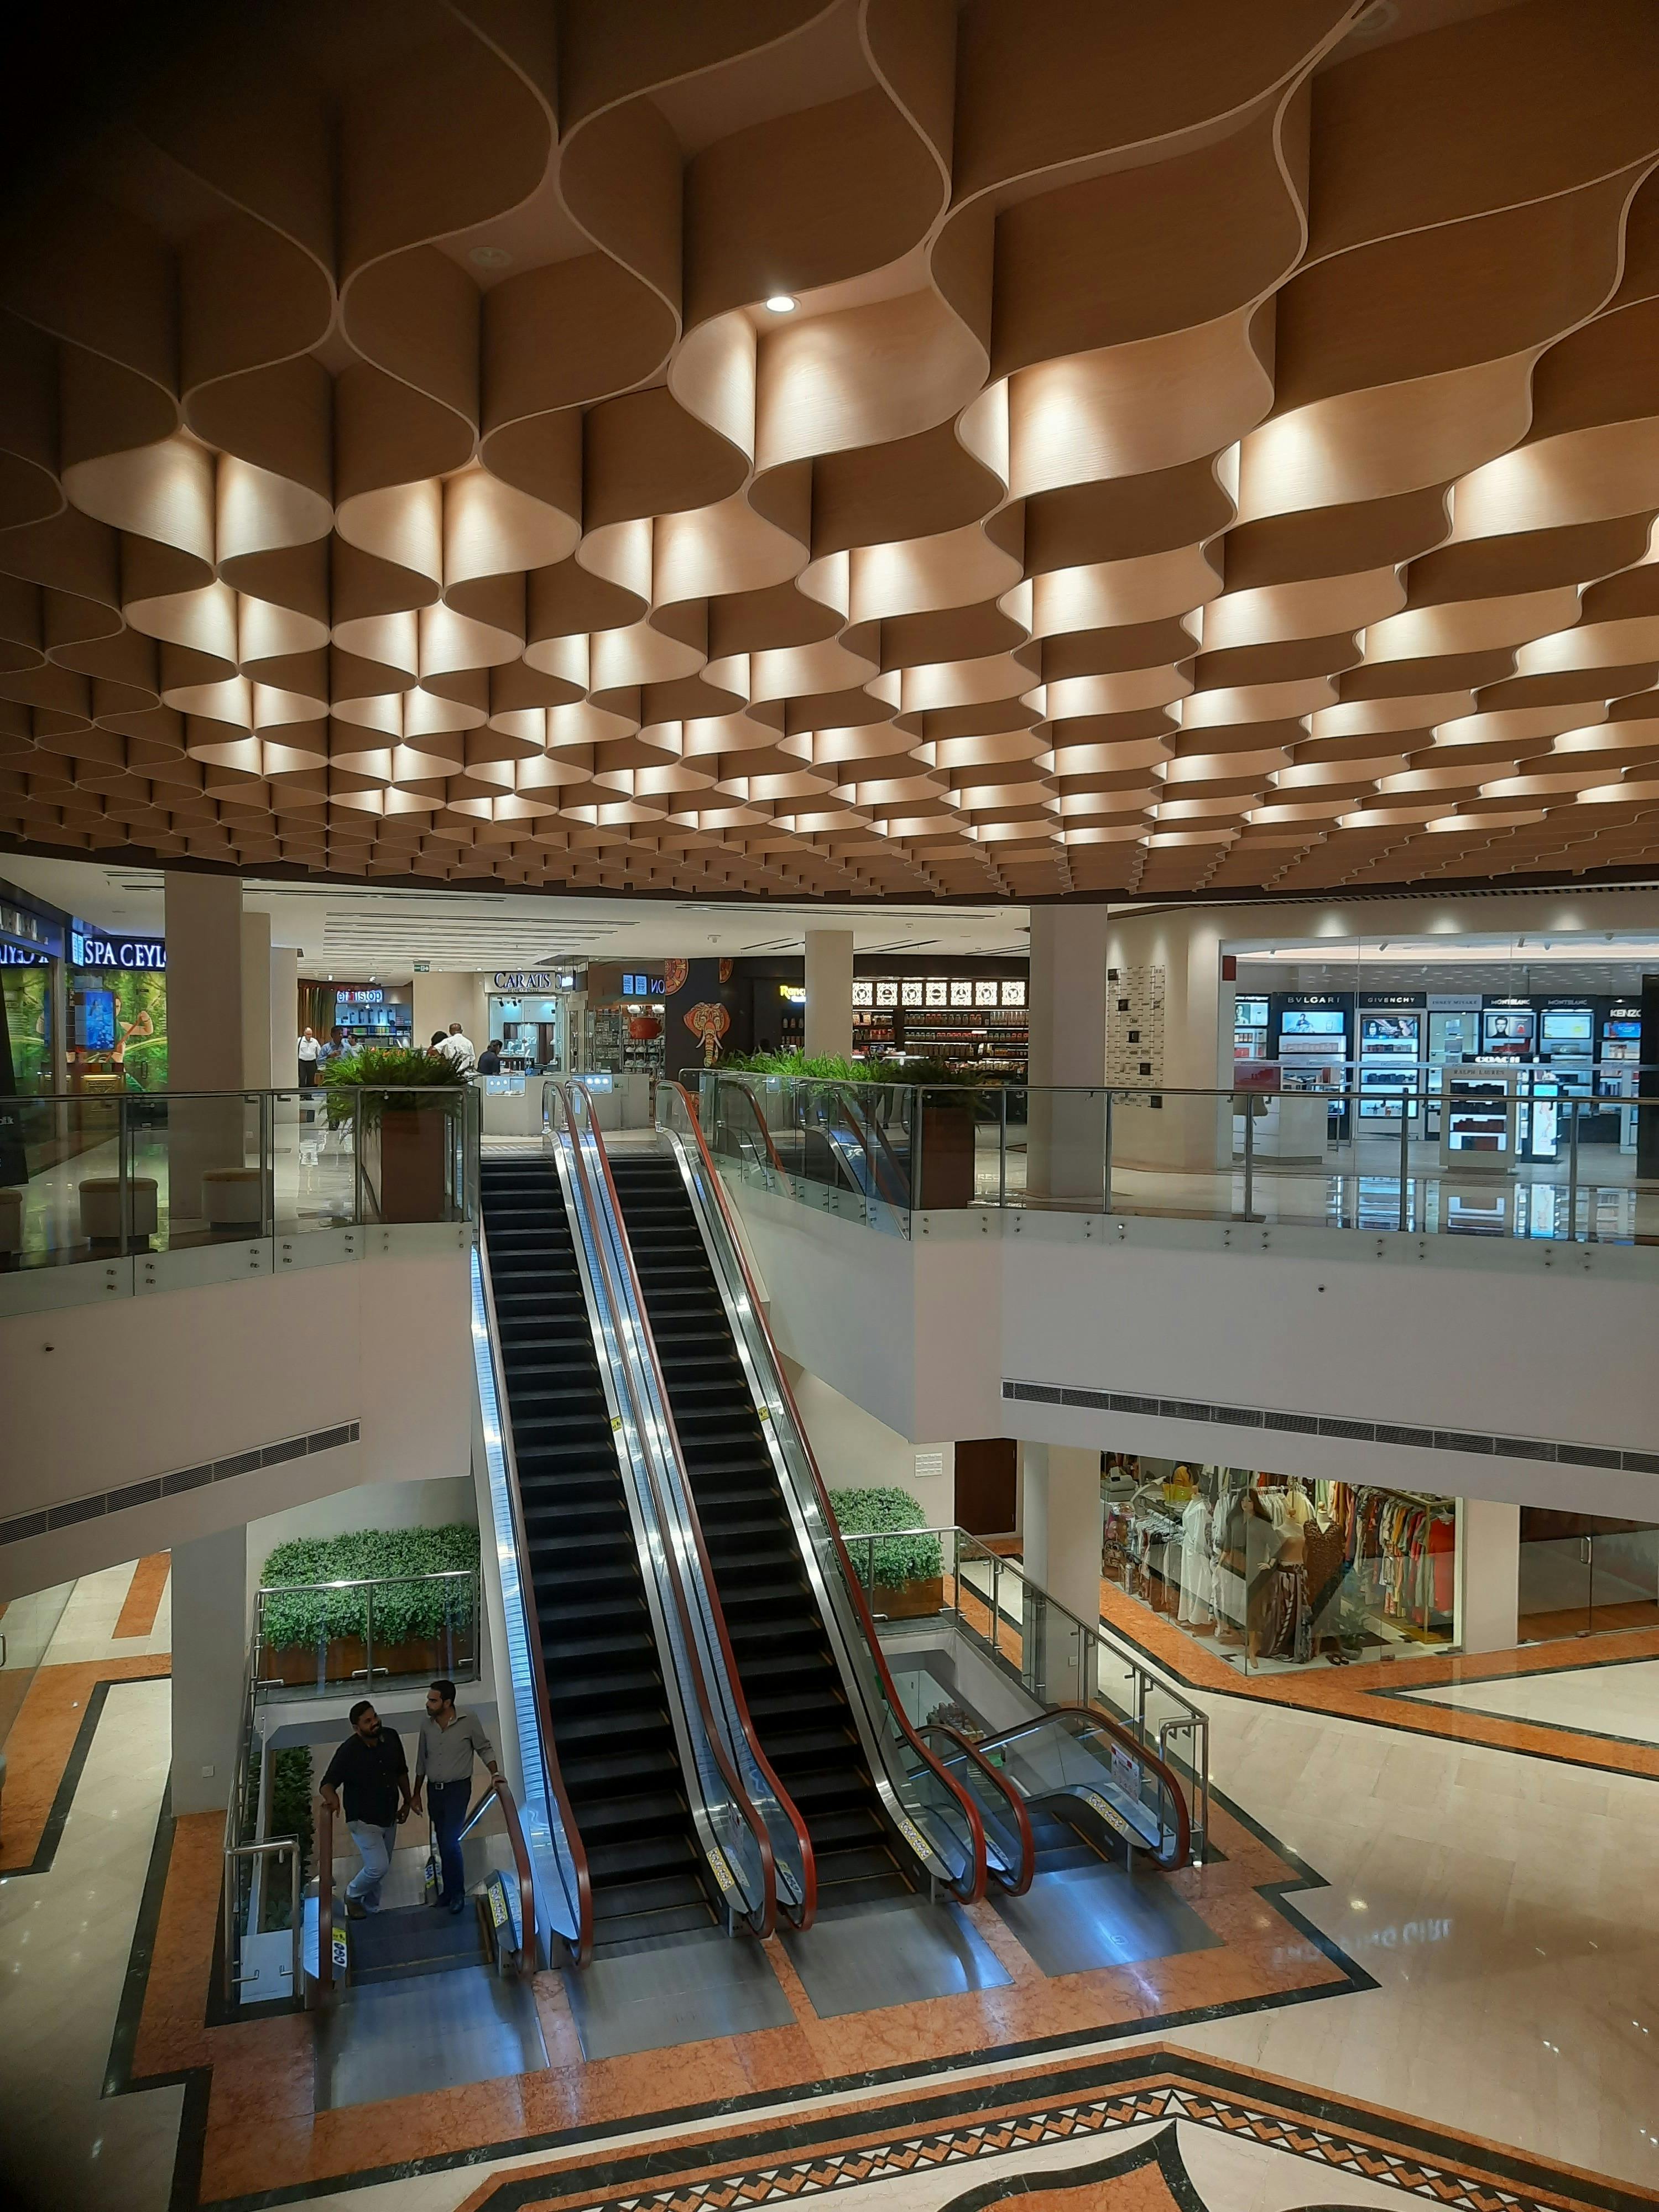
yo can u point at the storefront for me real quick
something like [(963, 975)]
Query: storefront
[(116, 1012), (529, 1012), (364, 1013), (31, 974), (1276, 1572)]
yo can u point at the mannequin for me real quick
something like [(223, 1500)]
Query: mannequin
[(1197, 1561)]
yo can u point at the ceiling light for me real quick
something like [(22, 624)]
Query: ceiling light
[(781, 303), (490, 256)]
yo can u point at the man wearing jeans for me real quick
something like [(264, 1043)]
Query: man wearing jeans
[(370, 1769), (444, 1766)]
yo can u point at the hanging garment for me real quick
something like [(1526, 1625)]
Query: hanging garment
[(1197, 1565)]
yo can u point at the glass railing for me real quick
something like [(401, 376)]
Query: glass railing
[(152, 1177), (1010, 1847), (1492, 1149), (1059, 1659), (736, 1807), (317, 1639), (937, 1815)]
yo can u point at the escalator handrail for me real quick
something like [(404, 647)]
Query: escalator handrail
[(856, 1114), (500, 1792), (1015, 1802), (692, 1524), (855, 1589), (764, 1924), (742, 1087), (582, 1949), (1181, 1845)]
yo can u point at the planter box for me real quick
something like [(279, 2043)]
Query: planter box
[(406, 1163), (947, 1155), (342, 1658), (907, 1600)]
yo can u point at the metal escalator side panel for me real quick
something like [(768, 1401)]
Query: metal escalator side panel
[(1007, 1823), (731, 1835), (566, 1898), (928, 1809), (1080, 1753)]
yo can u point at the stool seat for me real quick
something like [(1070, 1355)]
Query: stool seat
[(100, 1207), (233, 1197)]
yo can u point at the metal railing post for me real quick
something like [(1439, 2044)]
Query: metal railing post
[(1249, 1162), (267, 1164), (356, 1111), (123, 1176), (1106, 1163), (918, 1116), (1405, 1162), (1572, 1173), (996, 1598), (368, 1638), (1002, 1146)]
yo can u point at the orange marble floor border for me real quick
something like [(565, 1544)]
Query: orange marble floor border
[(263, 2133), (1368, 1690), (42, 1743), (946, 2130), (144, 1599)]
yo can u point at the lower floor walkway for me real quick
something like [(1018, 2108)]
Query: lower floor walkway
[(1421, 1963)]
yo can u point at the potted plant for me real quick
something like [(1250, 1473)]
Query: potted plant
[(402, 1107), (420, 1626), (945, 1173), (906, 1571)]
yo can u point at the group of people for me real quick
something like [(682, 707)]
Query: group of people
[(315, 1054), (367, 1778), (454, 1045)]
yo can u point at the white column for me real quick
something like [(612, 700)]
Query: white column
[(1168, 966), (284, 1016), (829, 992), (1065, 1138), (256, 1001), (210, 1655), (1488, 1575), (205, 982), (1061, 1523)]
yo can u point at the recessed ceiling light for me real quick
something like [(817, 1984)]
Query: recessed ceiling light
[(782, 303), (490, 256)]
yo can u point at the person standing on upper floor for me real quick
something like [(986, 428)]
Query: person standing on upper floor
[(310, 1052), (457, 1048), (370, 1772), (443, 1767), (490, 1060)]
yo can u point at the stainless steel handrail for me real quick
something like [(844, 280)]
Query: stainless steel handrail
[(641, 1426), (276, 1847)]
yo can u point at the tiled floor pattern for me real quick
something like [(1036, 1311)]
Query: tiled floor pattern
[(1162, 2128), (1502, 1911), (1385, 1693), (1620, 1698), (262, 2132)]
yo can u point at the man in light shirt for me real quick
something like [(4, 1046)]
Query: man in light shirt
[(459, 1048), (443, 1765)]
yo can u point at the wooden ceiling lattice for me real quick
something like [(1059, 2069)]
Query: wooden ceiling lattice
[(1213, 447)]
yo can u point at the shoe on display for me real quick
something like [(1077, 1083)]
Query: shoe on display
[(355, 1909)]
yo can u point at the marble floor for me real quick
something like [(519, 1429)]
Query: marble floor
[(1618, 1699), (1476, 2023)]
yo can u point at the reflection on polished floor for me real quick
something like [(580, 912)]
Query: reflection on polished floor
[(1439, 1982)]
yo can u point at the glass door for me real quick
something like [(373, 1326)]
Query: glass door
[(1582, 1574)]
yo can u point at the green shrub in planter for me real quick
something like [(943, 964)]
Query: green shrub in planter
[(402, 1613), (899, 1558)]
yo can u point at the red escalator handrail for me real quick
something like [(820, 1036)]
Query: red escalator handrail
[(583, 1947), (975, 1889), (728, 1773), (1015, 1802), (737, 1084), (1179, 1852)]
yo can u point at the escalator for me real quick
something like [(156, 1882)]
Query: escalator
[(787, 1668), (607, 1700)]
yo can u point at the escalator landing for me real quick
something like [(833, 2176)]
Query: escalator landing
[(678, 1989), (436, 2032), (901, 1950)]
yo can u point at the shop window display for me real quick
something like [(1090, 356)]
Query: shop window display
[(1280, 1571)]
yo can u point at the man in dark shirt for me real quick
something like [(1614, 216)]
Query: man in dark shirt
[(370, 1769)]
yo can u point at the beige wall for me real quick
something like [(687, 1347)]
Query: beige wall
[(855, 1451), (441, 1000)]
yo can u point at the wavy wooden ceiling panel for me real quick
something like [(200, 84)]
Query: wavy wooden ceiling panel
[(1212, 447)]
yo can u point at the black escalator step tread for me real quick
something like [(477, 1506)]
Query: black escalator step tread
[(862, 1889), (641, 1857), (823, 1738), (592, 1692), (644, 1725), (597, 1652), (838, 1866), (629, 1818), (637, 1930), (853, 1828), (608, 1768), (664, 1893)]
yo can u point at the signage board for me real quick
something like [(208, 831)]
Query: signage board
[(1453, 1002), (515, 981), (91, 948)]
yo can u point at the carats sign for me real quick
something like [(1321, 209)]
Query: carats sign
[(88, 949)]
